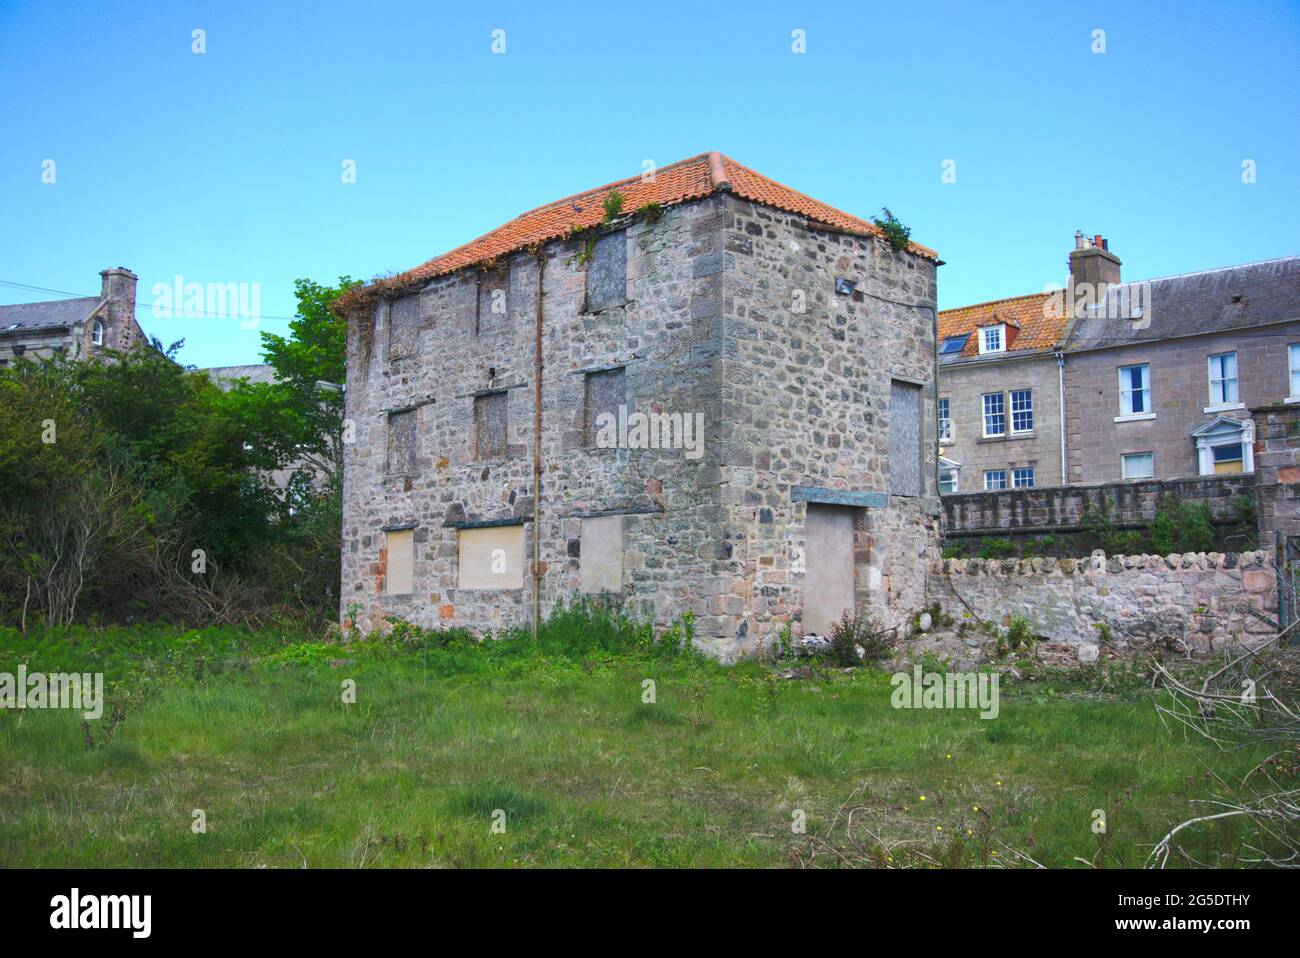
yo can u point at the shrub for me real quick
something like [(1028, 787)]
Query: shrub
[(855, 630)]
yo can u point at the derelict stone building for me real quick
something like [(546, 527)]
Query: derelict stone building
[(736, 417)]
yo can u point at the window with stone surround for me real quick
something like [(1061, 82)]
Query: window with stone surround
[(401, 443), (1223, 379), (995, 415), (1022, 478), (1138, 465), (1135, 390), (995, 479), (1022, 410), (945, 422), (603, 393), (1293, 367), (491, 424)]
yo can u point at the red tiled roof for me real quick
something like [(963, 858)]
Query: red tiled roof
[(1034, 323), (685, 180)]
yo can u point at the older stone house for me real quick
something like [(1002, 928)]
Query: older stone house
[(74, 328), (694, 390)]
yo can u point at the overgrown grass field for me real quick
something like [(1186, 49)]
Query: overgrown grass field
[(511, 754)]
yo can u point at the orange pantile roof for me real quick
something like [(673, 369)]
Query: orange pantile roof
[(1035, 323), (679, 182)]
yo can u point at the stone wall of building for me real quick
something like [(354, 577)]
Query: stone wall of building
[(1210, 600), (808, 374), (433, 353), (1277, 466), (964, 386)]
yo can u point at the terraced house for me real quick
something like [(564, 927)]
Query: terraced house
[(1108, 381), (692, 390)]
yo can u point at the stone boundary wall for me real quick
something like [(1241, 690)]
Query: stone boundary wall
[(1211, 600), (1061, 508)]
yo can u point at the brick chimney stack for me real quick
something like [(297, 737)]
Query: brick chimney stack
[(1093, 267)]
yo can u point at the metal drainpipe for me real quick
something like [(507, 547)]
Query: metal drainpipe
[(537, 447), (1060, 409)]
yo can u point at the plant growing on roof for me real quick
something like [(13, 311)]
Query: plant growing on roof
[(613, 205), (651, 212), (895, 232)]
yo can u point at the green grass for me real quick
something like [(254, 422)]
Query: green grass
[(251, 728)]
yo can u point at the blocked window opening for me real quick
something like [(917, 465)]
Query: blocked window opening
[(601, 555), (400, 576), (401, 443), (605, 392), (493, 302), (904, 439), (490, 425), (491, 558), (404, 327), (607, 273)]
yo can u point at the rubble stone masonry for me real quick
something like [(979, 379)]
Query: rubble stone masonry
[(729, 310)]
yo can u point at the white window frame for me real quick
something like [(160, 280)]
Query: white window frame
[(1016, 476), (97, 332), (951, 468), (1126, 392), (989, 474), (945, 421), (1227, 395), (1123, 465), (1293, 371), (1205, 446), (1028, 409), (998, 334), (1002, 412)]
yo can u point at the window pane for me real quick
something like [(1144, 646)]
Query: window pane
[(995, 417), (995, 479), (1022, 478), (1139, 465), (1228, 453), (1022, 410)]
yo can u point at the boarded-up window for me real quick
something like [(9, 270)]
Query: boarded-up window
[(904, 439), (490, 426), (404, 327), (491, 558), (401, 443), (605, 392), (828, 591), (607, 273), (399, 579), (601, 555)]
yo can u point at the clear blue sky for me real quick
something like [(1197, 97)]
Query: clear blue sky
[(225, 167)]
